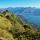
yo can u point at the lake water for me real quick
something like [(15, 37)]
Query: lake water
[(33, 19)]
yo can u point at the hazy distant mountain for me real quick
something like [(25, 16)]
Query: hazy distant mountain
[(23, 11)]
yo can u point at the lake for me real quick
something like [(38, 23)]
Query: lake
[(33, 19)]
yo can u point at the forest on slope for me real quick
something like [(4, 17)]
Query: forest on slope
[(12, 28)]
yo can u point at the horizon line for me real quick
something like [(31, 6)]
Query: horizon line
[(20, 6)]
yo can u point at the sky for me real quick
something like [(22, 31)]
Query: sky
[(19, 3)]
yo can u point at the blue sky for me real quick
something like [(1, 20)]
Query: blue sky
[(19, 3)]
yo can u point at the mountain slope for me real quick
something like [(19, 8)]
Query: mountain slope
[(12, 27)]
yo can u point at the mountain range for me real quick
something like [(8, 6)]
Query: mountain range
[(23, 11)]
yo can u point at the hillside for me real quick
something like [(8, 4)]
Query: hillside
[(13, 28)]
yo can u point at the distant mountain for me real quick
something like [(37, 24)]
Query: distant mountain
[(23, 11)]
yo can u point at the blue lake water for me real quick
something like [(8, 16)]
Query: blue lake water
[(33, 19)]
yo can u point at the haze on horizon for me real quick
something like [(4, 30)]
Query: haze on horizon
[(19, 3)]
